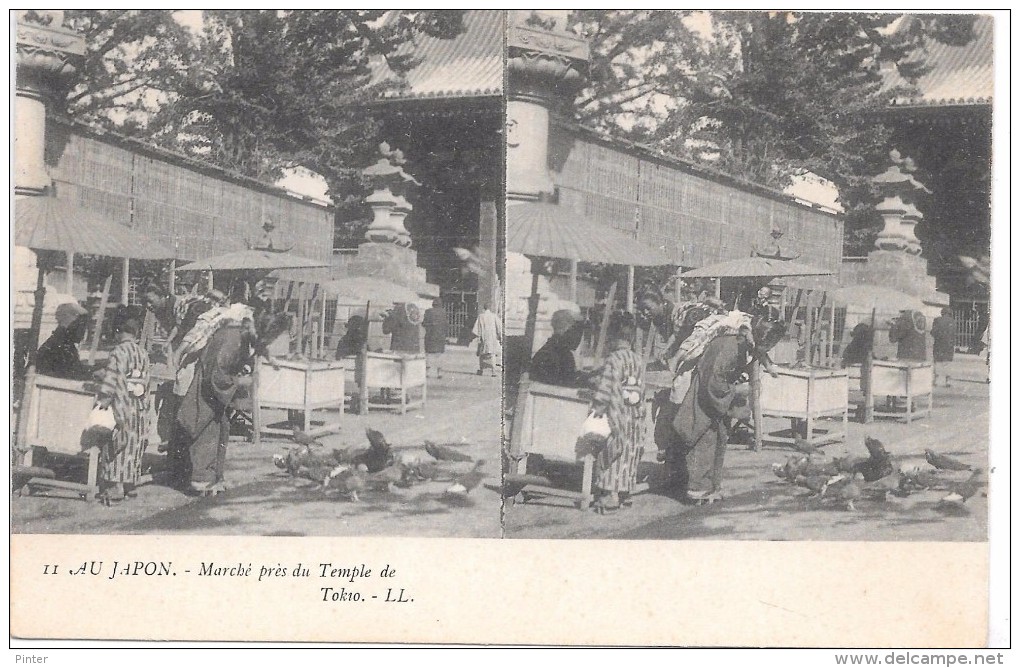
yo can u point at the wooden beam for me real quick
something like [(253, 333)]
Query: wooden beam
[(600, 345), (866, 369), (100, 316)]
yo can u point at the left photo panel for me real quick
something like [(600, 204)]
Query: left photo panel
[(257, 272)]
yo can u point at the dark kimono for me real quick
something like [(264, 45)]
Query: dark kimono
[(403, 323), (202, 425), (703, 419), (619, 395), (554, 364), (908, 333), (943, 331), (436, 324), (59, 357), (126, 382)]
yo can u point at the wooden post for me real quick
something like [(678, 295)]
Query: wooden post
[(793, 313), (362, 368), (172, 278), (718, 288), (600, 346), (301, 319), (530, 323), (99, 320), (125, 285), (23, 448), (573, 281), (630, 289), (866, 368), (832, 334), (755, 398), (256, 410), (69, 285), (322, 325)]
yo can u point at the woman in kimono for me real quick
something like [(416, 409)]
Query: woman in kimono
[(222, 373), (711, 405), (125, 389), (619, 396)]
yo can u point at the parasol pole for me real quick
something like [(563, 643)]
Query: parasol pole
[(99, 319), (531, 322), (124, 284), (630, 288), (866, 369), (573, 281), (35, 327), (361, 368), (756, 412), (600, 345)]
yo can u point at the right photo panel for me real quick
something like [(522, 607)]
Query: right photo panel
[(746, 290)]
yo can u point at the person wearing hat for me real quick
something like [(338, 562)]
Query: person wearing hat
[(58, 356), (554, 364)]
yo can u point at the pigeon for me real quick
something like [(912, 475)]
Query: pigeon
[(803, 446), (388, 476), (966, 489), (445, 454), (919, 479), (850, 490), (816, 483), (302, 438), (463, 484), (878, 464), (945, 462), (346, 480), (378, 455), (882, 486)]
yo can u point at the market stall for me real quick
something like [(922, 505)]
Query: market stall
[(53, 412), (243, 270), (547, 420), (806, 393)]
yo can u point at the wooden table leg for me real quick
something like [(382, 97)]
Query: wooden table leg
[(586, 479)]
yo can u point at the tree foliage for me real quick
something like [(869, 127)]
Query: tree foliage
[(255, 92), (765, 96)]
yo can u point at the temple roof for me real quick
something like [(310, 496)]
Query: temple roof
[(960, 75), (469, 65)]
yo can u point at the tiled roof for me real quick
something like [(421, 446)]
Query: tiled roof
[(469, 65), (960, 75)]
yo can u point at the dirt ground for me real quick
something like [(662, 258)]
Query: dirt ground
[(463, 409), (759, 506)]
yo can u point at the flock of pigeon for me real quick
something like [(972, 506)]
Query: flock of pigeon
[(346, 472), (845, 480)]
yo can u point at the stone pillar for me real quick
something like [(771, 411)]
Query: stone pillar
[(545, 66), (45, 55)]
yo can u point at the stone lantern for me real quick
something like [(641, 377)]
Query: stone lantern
[(387, 201)]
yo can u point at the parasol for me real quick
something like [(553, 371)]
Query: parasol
[(253, 260), (865, 298), (50, 224), (755, 267), (369, 288), (541, 229), (546, 230)]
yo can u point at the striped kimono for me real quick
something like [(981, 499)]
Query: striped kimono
[(126, 382), (619, 394)]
